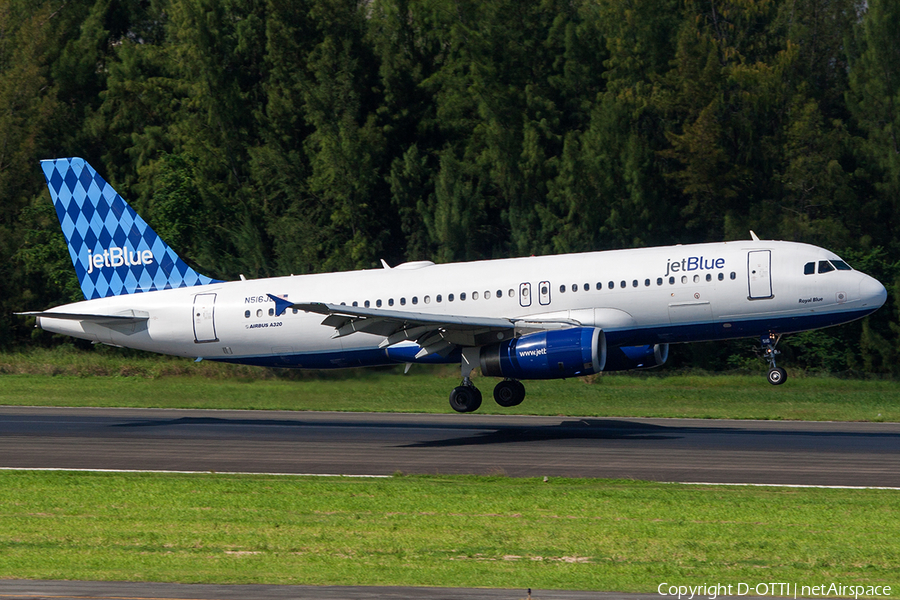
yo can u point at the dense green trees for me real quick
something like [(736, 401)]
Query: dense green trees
[(268, 137)]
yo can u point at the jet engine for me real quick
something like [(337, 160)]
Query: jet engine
[(547, 355), (623, 358)]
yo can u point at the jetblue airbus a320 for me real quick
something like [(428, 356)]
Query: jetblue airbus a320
[(541, 317)]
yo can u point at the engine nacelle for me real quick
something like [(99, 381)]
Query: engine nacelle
[(547, 355), (623, 358)]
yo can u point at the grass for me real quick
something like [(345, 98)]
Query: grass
[(93, 379), (440, 531)]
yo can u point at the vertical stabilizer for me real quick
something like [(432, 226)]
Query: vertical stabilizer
[(113, 249)]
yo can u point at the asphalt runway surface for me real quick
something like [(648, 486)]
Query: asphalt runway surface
[(72, 590), (671, 450)]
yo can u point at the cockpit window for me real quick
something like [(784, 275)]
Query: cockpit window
[(841, 265), (825, 266), (809, 268)]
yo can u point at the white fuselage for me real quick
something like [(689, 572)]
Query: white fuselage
[(644, 296)]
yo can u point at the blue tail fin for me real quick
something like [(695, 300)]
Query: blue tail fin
[(113, 249)]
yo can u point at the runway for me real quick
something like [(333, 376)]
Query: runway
[(671, 450)]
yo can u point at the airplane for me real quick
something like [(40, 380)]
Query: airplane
[(537, 317)]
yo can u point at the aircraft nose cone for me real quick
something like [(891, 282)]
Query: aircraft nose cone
[(871, 292)]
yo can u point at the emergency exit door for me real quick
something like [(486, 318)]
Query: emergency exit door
[(759, 273), (205, 318)]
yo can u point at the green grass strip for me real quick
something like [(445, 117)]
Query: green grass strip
[(440, 531), (722, 397)]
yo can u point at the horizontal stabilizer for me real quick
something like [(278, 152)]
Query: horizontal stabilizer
[(130, 316)]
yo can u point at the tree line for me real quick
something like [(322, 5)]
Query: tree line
[(268, 137)]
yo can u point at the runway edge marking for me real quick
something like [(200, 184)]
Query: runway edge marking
[(192, 472), (786, 485)]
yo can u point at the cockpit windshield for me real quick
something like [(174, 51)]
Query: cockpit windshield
[(826, 266)]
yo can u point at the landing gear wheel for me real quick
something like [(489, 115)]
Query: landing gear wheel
[(509, 393), (776, 376), (465, 398)]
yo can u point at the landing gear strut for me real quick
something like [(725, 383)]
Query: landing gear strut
[(776, 375), (509, 392), (466, 397)]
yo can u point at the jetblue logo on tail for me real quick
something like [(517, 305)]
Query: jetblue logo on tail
[(113, 249), (116, 257)]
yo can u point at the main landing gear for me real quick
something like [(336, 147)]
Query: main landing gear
[(776, 375), (467, 398)]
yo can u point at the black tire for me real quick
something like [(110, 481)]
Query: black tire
[(465, 398), (777, 376), (509, 393)]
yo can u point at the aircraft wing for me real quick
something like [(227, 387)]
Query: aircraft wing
[(436, 334)]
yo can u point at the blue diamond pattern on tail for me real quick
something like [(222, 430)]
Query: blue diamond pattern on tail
[(113, 249)]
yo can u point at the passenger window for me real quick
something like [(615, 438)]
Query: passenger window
[(671, 281), (449, 297), (696, 279), (259, 312), (684, 279), (841, 265), (646, 283), (402, 301), (733, 275), (634, 283), (366, 304), (415, 299), (574, 287), (271, 312), (512, 293), (708, 277), (587, 287), (355, 303), (462, 296), (378, 303), (438, 298), (545, 290), (295, 311), (500, 293), (427, 299), (246, 314), (659, 281), (487, 295), (825, 266), (562, 289), (390, 301), (612, 285), (809, 268), (599, 286), (721, 276), (622, 284)]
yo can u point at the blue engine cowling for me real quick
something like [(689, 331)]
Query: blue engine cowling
[(547, 355), (623, 358)]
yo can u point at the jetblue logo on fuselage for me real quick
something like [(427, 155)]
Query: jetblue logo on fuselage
[(694, 263), (116, 257)]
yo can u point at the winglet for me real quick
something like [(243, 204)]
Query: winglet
[(281, 304), (753, 236)]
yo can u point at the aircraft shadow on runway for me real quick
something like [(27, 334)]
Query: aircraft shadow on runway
[(590, 429), (481, 433)]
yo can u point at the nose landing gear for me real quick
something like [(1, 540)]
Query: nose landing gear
[(776, 375)]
